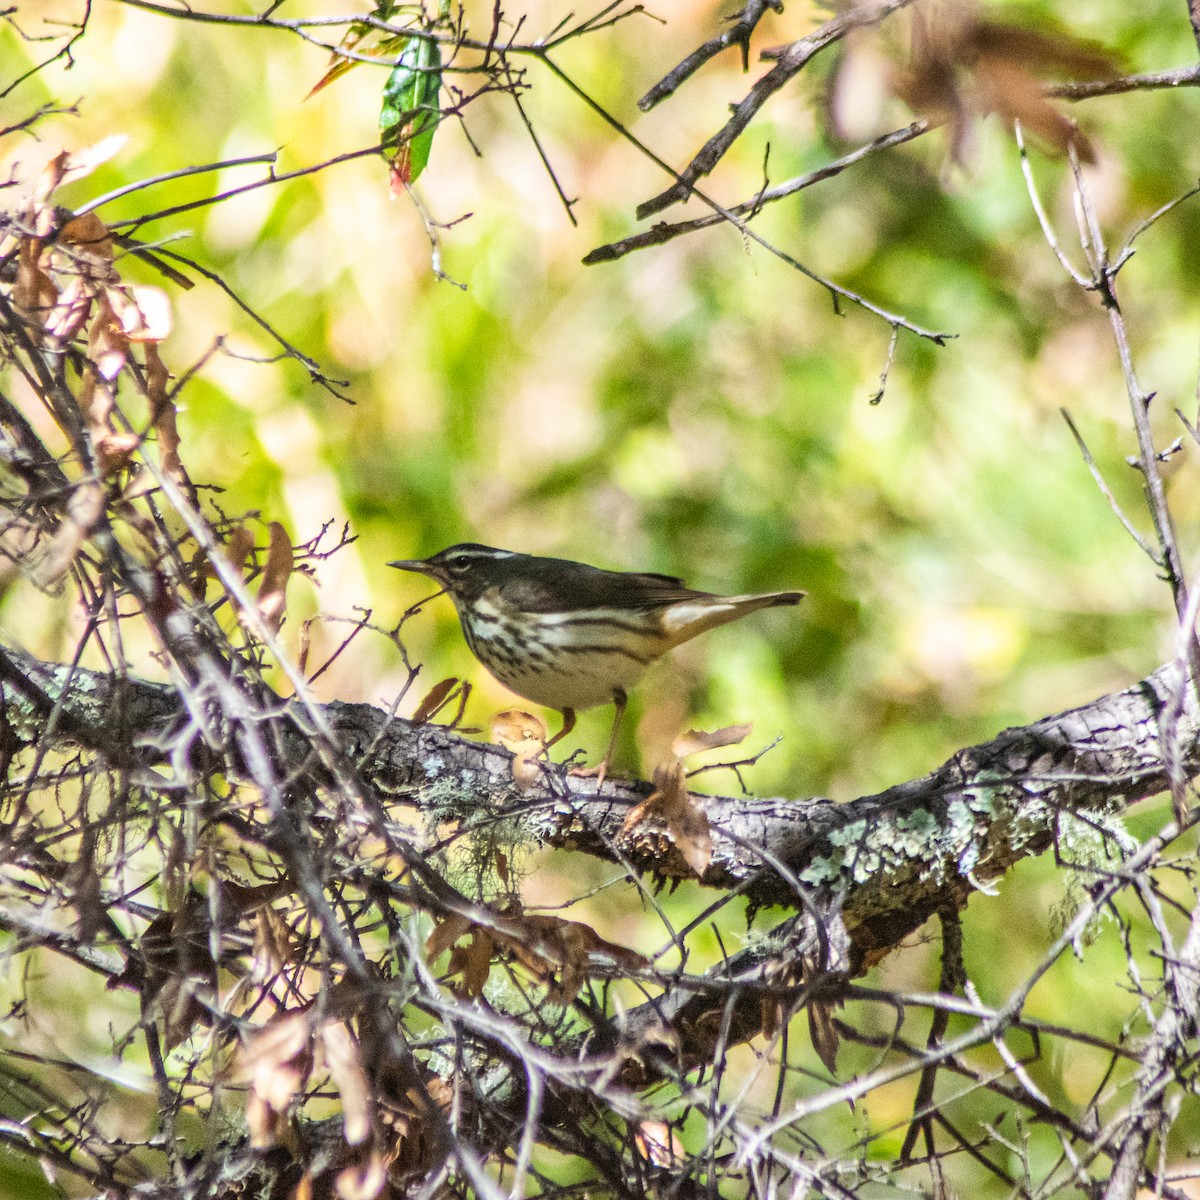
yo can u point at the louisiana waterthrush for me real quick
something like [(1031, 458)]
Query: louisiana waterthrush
[(570, 636)]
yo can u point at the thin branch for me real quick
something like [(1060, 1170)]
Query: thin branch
[(1128, 525), (790, 61), (662, 231), (738, 34)]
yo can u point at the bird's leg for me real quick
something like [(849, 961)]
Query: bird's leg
[(568, 716), (601, 768)]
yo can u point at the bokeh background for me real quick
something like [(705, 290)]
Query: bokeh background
[(699, 409)]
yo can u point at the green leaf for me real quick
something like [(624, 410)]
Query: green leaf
[(410, 112)]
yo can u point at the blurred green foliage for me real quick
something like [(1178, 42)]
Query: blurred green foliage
[(699, 408)]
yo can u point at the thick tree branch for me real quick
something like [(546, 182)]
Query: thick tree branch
[(896, 857)]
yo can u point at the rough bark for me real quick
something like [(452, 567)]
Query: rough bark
[(893, 858)]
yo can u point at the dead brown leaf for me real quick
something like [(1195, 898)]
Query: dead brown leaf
[(770, 1014), (340, 1050), (78, 164), (242, 899), (272, 591), (524, 734), (275, 1061), (659, 1144), (34, 292), (434, 699), (71, 310), (144, 313), (823, 1033), (557, 952), (115, 451), (445, 933), (84, 510), (82, 883), (517, 730), (473, 961), (363, 1181), (551, 943), (693, 741), (108, 347), (238, 547), (90, 234), (672, 807), (272, 947), (163, 414), (18, 541), (963, 67)]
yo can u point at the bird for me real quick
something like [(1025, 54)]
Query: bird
[(571, 636)]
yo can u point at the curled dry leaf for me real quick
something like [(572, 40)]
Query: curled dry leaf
[(659, 1144), (515, 729), (71, 310), (114, 452), (272, 945), (696, 740), (472, 961), (90, 236), (272, 592), (671, 808), (550, 942), (84, 510), (340, 1050), (823, 1033), (363, 1181), (963, 67), (557, 952), (434, 699), (144, 313), (162, 414), (18, 539), (238, 547), (108, 347), (525, 735), (275, 1061), (34, 293), (242, 899), (82, 883), (70, 168), (445, 933)]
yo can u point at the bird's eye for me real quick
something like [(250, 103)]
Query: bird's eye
[(458, 565)]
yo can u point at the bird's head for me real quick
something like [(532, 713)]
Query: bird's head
[(464, 571)]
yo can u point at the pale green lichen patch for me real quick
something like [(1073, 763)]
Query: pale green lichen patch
[(823, 870), (924, 844)]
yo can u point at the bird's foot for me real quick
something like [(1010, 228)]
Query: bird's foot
[(598, 772)]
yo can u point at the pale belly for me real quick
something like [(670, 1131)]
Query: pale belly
[(592, 679), (556, 669)]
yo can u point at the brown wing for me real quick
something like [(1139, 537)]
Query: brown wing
[(575, 586)]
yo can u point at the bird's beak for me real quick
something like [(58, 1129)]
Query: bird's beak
[(411, 564)]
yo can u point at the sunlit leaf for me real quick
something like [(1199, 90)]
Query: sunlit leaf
[(410, 113)]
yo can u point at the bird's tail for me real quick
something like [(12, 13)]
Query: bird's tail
[(683, 621)]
